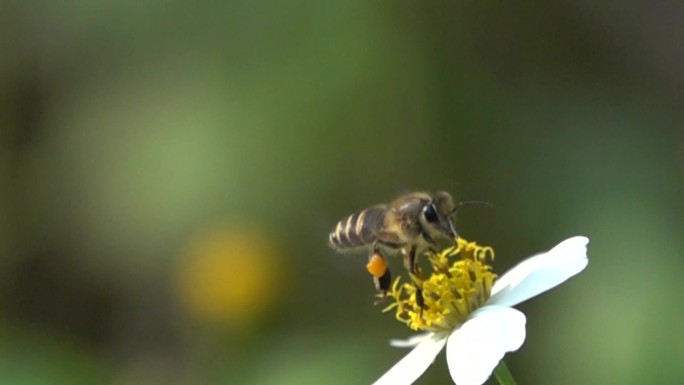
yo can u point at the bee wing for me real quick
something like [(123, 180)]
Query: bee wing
[(411, 203), (406, 211), (388, 237)]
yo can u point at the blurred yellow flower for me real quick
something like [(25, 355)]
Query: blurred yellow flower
[(230, 276)]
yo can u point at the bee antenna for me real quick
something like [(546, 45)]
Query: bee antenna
[(470, 203), (458, 206)]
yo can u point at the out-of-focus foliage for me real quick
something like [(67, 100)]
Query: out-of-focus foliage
[(169, 173)]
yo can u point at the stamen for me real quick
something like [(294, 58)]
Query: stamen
[(460, 282)]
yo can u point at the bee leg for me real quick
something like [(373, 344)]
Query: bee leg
[(410, 260), (378, 268), (410, 264), (432, 245), (428, 238), (382, 284)]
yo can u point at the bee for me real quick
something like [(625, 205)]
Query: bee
[(408, 225)]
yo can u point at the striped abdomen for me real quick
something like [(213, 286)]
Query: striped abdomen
[(357, 229)]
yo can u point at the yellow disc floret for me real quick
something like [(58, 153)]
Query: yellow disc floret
[(460, 282)]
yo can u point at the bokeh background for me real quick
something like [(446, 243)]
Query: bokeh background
[(169, 173)]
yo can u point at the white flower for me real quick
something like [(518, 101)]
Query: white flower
[(476, 343)]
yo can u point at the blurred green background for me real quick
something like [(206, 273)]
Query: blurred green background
[(169, 174)]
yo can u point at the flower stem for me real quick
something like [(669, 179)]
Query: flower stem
[(503, 375)]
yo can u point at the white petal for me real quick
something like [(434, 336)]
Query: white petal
[(415, 363), (540, 273), (475, 349), (410, 342)]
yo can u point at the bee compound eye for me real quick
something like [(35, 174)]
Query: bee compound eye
[(430, 213)]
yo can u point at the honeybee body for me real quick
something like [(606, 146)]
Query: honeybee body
[(396, 224), (408, 224)]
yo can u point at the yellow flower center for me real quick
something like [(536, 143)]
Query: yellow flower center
[(460, 282)]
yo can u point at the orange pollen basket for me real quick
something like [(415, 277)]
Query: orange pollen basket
[(377, 266)]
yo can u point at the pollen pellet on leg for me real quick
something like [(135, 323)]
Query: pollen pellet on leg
[(377, 266)]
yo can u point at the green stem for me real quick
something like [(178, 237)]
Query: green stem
[(503, 375)]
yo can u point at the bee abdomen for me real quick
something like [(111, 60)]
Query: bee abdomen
[(357, 229)]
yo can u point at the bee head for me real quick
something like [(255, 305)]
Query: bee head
[(438, 214)]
